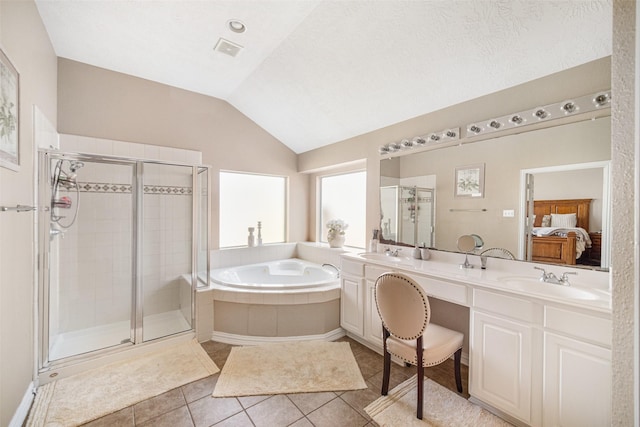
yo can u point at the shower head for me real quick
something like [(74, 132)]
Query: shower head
[(74, 165)]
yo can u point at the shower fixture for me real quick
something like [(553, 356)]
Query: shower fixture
[(74, 165), (66, 180)]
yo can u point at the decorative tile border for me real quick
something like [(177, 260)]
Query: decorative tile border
[(101, 187), (166, 189)]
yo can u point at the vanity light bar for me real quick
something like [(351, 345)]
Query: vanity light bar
[(421, 141), (583, 104)]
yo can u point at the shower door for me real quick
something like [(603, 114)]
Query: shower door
[(120, 243), (87, 241), (425, 220)]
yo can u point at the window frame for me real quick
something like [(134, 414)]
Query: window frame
[(286, 206)]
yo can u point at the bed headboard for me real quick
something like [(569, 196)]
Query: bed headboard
[(578, 206)]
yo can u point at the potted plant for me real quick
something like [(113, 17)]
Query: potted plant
[(335, 235)]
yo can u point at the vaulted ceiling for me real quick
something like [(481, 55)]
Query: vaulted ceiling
[(315, 72)]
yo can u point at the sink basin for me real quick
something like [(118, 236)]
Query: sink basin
[(531, 284), (388, 259)]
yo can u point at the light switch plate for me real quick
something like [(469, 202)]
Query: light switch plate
[(508, 213)]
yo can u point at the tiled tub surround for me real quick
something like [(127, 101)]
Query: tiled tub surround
[(538, 353), (240, 316)]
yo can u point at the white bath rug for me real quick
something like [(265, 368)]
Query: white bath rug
[(292, 367), (95, 393), (442, 408)]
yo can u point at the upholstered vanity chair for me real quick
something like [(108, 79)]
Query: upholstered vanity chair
[(407, 334)]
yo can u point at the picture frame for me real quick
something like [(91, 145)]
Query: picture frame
[(469, 181), (9, 114)]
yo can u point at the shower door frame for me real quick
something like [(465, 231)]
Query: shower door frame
[(44, 228)]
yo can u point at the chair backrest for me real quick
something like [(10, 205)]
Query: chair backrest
[(402, 305)]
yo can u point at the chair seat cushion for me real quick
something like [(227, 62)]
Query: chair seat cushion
[(439, 344)]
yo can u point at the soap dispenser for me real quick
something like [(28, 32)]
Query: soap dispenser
[(424, 252), (373, 243), (416, 253)]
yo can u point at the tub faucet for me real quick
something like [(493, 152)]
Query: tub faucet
[(331, 265)]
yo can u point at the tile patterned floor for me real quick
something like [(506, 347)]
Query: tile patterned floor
[(192, 404)]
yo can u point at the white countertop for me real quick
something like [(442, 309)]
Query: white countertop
[(589, 289)]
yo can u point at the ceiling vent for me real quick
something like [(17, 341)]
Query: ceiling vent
[(227, 47)]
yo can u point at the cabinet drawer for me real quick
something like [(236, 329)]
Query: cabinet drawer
[(580, 325), (441, 289), (373, 272), (513, 307), (353, 268)]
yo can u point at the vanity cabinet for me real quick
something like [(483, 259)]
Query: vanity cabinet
[(533, 360), (352, 297), (372, 321), (577, 369), (502, 353)]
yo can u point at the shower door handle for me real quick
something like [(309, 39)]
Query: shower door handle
[(18, 208)]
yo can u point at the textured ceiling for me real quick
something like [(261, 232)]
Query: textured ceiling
[(312, 73)]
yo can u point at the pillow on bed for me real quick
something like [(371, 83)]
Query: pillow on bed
[(546, 221), (563, 220)]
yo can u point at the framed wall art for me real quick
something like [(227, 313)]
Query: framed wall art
[(9, 114), (469, 181)]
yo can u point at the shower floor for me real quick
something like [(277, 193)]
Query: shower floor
[(90, 339)]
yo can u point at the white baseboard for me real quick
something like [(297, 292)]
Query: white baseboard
[(252, 340), (21, 414)]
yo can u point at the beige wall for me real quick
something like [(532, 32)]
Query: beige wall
[(104, 104), (625, 212), (25, 41)]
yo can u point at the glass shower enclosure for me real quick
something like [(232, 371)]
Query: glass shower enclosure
[(121, 242), (408, 214)]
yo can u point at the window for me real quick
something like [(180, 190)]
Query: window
[(344, 197), (246, 199)]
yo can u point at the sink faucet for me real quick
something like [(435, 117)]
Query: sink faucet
[(389, 252), (552, 278)]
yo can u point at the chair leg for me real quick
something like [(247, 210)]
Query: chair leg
[(387, 363), (456, 358), (419, 352)]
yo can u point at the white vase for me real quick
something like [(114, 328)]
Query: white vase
[(336, 240)]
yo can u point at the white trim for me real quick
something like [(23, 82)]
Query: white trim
[(20, 416), (235, 339)]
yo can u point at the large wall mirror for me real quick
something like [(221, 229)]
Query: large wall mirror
[(565, 166)]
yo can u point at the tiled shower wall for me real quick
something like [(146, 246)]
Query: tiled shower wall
[(96, 278), (167, 225), (95, 286)]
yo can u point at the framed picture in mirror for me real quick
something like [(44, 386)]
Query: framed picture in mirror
[(469, 181)]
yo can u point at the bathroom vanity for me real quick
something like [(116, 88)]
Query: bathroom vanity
[(539, 354)]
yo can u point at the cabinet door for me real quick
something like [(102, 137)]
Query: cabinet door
[(372, 322), (500, 365), (577, 383), (351, 305)]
